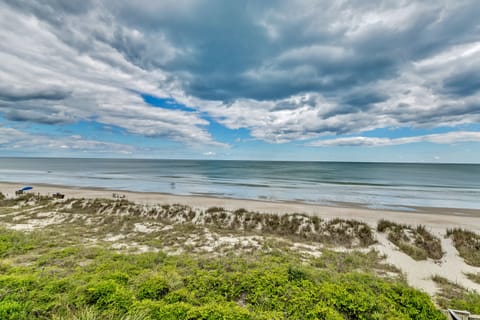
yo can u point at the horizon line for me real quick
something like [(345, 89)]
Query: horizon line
[(249, 160)]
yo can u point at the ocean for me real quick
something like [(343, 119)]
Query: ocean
[(375, 185)]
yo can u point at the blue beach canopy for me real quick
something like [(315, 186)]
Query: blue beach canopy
[(26, 188)]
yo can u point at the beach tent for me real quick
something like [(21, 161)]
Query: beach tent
[(26, 188)]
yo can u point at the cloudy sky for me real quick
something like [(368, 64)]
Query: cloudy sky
[(293, 80)]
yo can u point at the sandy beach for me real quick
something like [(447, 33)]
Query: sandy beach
[(435, 218), (418, 273)]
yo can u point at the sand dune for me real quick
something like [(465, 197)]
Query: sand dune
[(418, 273)]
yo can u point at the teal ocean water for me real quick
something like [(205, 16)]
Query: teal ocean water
[(372, 184)]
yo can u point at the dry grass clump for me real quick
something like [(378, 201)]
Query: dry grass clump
[(417, 242), (21, 200), (214, 209), (26, 201), (475, 277), (338, 232), (467, 244), (454, 296), (342, 232)]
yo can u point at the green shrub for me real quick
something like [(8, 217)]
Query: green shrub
[(214, 311), (107, 295), (273, 285), (12, 310), (322, 312), (161, 311), (154, 288), (180, 295), (296, 274)]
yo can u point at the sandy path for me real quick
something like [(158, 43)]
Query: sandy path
[(418, 273)]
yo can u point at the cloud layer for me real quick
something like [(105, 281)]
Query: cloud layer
[(283, 70), (440, 138), (24, 142), (57, 76)]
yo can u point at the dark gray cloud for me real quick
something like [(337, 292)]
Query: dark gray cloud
[(38, 117), (364, 98), (462, 84), (243, 49), (13, 94)]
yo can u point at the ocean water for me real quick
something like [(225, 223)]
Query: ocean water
[(378, 185)]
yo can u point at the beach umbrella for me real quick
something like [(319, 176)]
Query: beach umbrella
[(26, 188)]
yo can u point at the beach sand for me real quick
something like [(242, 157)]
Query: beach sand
[(418, 273)]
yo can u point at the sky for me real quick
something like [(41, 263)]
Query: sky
[(259, 80)]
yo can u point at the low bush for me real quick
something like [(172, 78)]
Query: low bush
[(154, 288)]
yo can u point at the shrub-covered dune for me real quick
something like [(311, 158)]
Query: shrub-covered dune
[(38, 281), (105, 259)]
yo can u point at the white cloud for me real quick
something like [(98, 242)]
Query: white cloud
[(209, 154), (14, 139), (440, 138)]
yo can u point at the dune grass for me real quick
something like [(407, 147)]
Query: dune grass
[(110, 216), (336, 232), (467, 244), (455, 296), (417, 242)]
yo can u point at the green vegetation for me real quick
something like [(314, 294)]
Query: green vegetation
[(467, 244), (417, 242), (114, 259), (38, 281), (454, 296)]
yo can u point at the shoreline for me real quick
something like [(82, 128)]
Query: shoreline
[(433, 217)]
